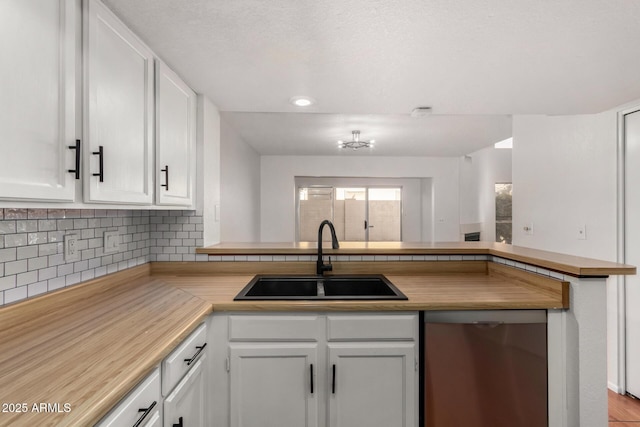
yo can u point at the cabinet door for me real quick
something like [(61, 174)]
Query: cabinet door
[(184, 407), (118, 113), (37, 105), (129, 411), (273, 385), (175, 138), (372, 384)]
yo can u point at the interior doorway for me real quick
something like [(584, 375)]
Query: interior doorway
[(631, 238)]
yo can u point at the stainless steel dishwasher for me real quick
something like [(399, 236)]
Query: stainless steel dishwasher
[(485, 368)]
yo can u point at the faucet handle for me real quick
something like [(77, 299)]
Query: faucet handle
[(329, 266)]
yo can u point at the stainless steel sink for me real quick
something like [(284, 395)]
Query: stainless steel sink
[(343, 287)]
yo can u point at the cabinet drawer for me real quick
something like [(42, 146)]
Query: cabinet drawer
[(177, 363), (145, 395), (273, 328), (363, 327)]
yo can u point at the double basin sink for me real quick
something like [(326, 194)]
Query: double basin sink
[(339, 287)]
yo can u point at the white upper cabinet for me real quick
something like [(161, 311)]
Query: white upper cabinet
[(118, 110), (37, 99), (175, 138)]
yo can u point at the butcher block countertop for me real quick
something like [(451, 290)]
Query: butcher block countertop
[(90, 344), (567, 264)]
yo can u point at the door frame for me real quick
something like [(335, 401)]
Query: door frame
[(621, 253)]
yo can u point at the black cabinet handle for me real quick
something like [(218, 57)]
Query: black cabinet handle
[(146, 411), (76, 171), (311, 377), (195, 356), (100, 154), (333, 381), (365, 224), (166, 177), (179, 423)]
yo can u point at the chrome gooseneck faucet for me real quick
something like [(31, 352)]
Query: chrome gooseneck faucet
[(321, 267)]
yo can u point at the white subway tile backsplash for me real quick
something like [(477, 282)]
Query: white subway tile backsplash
[(26, 278), (54, 260), (72, 279), (15, 267), (35, 237), (36, 213), (15, 294), (36, 289), (56, 283), (25, 226), (14, 240), (7, 255), (7, 282), (15, 214), (25, 252), (47, 273)]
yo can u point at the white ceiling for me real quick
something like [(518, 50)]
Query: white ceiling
[(368, 63)]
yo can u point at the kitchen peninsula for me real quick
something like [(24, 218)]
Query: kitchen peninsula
[(457, 276)]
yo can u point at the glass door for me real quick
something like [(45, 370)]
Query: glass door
[(384, 215), (359, 214)]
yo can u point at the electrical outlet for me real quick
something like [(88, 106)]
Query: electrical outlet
[(582, 232), (528, 229), (111, 242), (71, 250)]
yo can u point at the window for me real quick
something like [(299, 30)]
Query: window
[(504, 221)]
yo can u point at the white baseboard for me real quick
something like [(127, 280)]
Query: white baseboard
[(613, 387)]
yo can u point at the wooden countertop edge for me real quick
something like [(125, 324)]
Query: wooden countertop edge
[(563, 263)]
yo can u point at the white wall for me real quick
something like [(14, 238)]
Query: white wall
[(208, 169), (564, 175), (479, 172), (278, 187), (240, 188)]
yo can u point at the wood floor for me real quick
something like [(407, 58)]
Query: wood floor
[(624, 411)]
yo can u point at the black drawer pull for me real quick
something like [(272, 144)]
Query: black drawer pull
[(195, 356), (333, 382), (179, 423), (166, 177), (100, 154), (311, 377), (146, 411), (76, 171)]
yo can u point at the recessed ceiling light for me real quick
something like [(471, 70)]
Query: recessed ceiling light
[(302, 101)]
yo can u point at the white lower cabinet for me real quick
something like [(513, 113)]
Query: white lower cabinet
[(273, 385), (184, 384), (184, 407), (372, 384), (141, 408), (182, 381), (293, 370)]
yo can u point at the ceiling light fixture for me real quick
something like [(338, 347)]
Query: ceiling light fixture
[(420, 112), (302, 101), (356, 142)]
